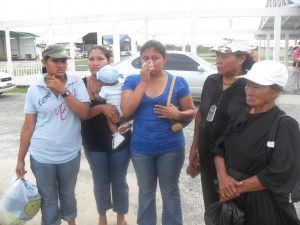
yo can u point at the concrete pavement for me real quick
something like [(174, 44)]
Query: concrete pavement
[(11, 120)]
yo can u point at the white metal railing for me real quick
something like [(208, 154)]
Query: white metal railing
[(23, 68), (3, 67)]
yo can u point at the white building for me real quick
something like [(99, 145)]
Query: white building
[(23, 46)]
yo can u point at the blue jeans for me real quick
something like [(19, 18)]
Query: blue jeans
[(109, 172), (166, 167), (56, 184)]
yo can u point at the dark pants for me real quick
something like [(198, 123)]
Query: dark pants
[(294, 64)]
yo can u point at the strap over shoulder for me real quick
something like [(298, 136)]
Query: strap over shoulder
[(171, 90), (272, 135)]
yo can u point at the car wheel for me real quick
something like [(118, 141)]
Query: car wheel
[(1, 93)]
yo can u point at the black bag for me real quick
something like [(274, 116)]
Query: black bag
[(224, 213), (294, 196)]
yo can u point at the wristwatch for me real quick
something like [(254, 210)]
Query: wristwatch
[(67, 93)]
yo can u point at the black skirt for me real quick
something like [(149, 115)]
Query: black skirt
[(264, 207)]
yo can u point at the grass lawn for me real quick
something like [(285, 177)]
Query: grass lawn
[(81, 62), (18, 90)]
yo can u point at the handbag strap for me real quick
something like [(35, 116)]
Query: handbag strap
[(272, 135), (171, 91)]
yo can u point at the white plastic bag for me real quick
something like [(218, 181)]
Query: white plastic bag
[(20, 203)]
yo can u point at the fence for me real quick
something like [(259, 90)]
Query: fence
[(23, 68)]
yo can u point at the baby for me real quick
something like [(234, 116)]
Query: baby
[(111, 91)]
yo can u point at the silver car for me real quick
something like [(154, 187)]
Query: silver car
[(185, 64), (7, 82)]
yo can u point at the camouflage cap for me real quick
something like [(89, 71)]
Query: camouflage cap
[(55, 51)]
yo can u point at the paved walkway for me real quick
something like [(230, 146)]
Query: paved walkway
[(287, 99), (11, 120)]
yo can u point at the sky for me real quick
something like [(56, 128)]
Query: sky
[(39, 8), (34, 9)]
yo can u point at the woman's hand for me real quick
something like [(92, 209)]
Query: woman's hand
[(147, 67), (194, 159), (20, 169), (54, 84), (193, 169), (167, 112), (110, 112), (228, 188)]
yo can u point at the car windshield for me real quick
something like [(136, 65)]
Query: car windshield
[(176, 61)]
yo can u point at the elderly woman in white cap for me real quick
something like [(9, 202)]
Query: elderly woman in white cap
[(222, 100), (259, 183), (53, 109)]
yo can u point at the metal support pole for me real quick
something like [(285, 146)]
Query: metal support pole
[(72, 49), (99, 38), (277, 36), (193, 36), (116, 41), (146, 30), (286, 50), (8, 52), (268, 47)]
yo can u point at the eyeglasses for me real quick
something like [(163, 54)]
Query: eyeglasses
[(224, 49)]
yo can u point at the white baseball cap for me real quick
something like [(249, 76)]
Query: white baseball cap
[(267, 73), (108, 74), (230, 45)]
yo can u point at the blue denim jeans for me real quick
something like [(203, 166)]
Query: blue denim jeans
[(109, 172), (166, 168), (56, 184)]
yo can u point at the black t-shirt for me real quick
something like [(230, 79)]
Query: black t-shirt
[(244, 148), (96, 135), (230, 104)]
